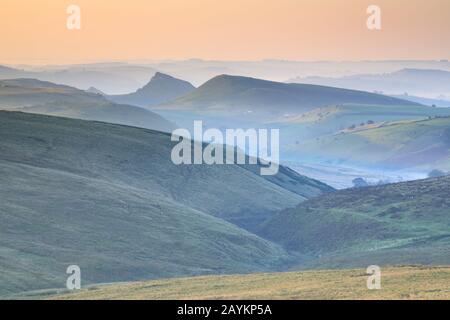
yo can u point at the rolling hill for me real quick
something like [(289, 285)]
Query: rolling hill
[(420, 145), (306, 115), (108, 198), (35, 96), (404, 223), (161, 88), (240, 102), (243, 95)]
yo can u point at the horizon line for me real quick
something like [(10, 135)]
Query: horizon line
[(41, 62)]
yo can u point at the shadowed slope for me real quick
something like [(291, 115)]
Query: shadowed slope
[(109, 199), (392, 224)]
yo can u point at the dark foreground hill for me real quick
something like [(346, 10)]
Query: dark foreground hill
[(108, 198), (35, 96), (393, 224)]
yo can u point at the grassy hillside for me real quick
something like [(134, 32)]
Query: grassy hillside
[(42, 97), (248, 95), (161, 88), (392, 224), (301, 112), (109, 199), (142, 159), (397, 283), (422, 144), (330, 120)]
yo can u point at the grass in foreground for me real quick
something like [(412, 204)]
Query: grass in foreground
[(397, 283)]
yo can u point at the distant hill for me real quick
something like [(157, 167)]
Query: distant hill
[(108, 198), (108, 77), (95, 90), (35, 96), (6, 69), (303, 113), (404, 223), (419, 82), (420, 145), (10, 73), (161, 88), (425, 101), (242, 95)]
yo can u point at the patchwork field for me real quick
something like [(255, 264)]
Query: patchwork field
[(422, 144)]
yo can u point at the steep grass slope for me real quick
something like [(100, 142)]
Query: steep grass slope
[(392, 224), (108, 198)]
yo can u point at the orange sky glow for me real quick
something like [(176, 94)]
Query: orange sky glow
[(34, 31)]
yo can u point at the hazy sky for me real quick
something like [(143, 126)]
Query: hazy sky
[(34, 31)]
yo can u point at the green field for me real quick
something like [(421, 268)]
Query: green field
[(396, 283), (420, 145)]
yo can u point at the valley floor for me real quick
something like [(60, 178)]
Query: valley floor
[(413, 282)]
